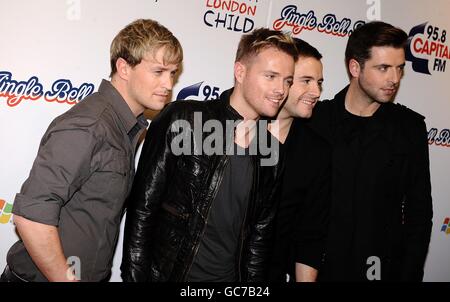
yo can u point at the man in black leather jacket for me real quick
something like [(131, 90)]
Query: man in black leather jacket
[(197, 215)]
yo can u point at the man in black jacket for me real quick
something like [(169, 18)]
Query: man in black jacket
[(380, 218), (301, 220), (202, 211)]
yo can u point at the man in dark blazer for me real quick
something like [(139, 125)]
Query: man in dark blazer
[(302, 215), (381, 212)]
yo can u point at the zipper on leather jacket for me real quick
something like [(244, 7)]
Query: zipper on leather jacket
[(197, 243), (253, 191), (403, 204), (241, 246)]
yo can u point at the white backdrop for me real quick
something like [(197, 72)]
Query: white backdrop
[(52, 45)]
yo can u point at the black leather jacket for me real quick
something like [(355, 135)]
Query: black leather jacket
[(172, 195)]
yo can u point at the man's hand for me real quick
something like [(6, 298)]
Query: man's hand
[(305, 273), (44, 246)]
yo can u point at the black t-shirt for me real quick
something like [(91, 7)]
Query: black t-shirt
[(216, 260), (356, 127)]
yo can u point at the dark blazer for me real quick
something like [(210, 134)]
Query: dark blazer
[(304, 200), (381, 193)]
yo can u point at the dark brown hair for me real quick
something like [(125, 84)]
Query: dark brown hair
[(306, 50), (373, 34)]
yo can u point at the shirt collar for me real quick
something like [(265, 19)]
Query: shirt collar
[(142, 123)]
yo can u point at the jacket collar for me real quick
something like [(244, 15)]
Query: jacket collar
[(230, 112)]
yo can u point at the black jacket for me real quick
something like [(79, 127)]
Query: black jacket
[(172, 195), (304, 200), (381, 193)]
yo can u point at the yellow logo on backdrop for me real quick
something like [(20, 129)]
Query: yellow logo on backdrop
[(5, 211)]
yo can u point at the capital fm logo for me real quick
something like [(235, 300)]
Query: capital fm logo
[(440, 138), (200, 92), (5, 211), (426, 48), (446, 226), (62, 90), (291, 18), (232, 15)]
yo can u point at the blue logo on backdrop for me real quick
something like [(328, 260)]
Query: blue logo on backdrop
[(200, 92)]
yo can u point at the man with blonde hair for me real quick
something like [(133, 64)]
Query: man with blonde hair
[(69, 209)]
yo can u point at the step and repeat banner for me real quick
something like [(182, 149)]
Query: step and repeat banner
[(55, 52)]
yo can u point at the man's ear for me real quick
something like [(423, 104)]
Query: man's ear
[(354, 68), (123, 69), (240, 70)]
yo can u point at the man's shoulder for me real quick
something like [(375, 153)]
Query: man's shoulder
[(187, 108), (322, 116), (189, 105), (408, 113), (324, 108), (409, 122), (326, 103), (86, 115), (92, 106)]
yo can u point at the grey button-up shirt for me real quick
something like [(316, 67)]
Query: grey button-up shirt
[(79, 182)]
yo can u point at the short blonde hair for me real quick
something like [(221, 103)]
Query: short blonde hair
[(141, 37)]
